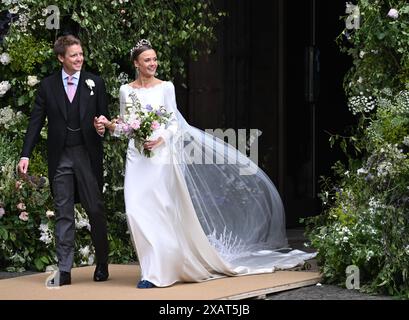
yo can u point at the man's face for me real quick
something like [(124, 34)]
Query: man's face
[(73, 59)]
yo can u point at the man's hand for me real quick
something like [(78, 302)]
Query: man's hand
[(153, 144), (99, 126), (23, 165)]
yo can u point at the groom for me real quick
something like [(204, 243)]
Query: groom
[(71, 100)]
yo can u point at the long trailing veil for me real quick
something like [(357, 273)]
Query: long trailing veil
[(238, 206)]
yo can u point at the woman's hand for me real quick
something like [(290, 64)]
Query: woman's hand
[(153, 144), (103, 120)]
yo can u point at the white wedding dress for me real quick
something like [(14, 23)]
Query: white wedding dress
[(190, 221)]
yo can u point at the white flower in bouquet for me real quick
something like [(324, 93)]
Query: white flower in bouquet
[(5, 58), (393, 13), (4, 87), (32, 81)]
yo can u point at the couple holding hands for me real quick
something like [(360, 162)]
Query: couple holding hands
[(189, 220)]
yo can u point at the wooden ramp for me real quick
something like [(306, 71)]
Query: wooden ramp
[(122, 286)]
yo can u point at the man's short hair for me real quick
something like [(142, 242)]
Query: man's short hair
[(63, 42)]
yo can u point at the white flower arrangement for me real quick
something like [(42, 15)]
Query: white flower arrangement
[(5, 58), (49, 214), (393, 13), (32, 80), (46, 233), (4, 87), (361, 103), (8, 117), (91, 84)]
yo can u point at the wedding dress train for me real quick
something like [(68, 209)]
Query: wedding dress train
[(192, 219)]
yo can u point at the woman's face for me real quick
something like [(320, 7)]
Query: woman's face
[(147, 63)]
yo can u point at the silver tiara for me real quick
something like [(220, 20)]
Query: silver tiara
[(140, 44)]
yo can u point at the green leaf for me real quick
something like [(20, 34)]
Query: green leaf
[(12, 236), (39, 264), (22, 100), (45, 259), (4, 234)]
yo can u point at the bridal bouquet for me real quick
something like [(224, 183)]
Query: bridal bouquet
[(139, 123)]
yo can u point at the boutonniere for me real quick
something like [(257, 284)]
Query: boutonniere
[(91, 84)]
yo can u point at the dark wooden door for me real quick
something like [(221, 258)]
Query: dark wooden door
[(256, 76)]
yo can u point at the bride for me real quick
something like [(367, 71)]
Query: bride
[(198, 209)]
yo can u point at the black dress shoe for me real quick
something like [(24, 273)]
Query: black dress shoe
[(101, 272), (64, 278)]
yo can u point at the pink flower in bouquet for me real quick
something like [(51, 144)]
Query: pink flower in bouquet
[(127, 129), (21, 206), (135, 124), (23, 216), (2, 212), (155, 125)]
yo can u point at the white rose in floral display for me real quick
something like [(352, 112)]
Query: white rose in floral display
[(4, 87), (23, 216), (32, 81), (49, 214), (21, 206), (2, 212), (14, 10), (5, 58)]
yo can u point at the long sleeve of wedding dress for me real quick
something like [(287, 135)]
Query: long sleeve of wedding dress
[(192, 219)]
